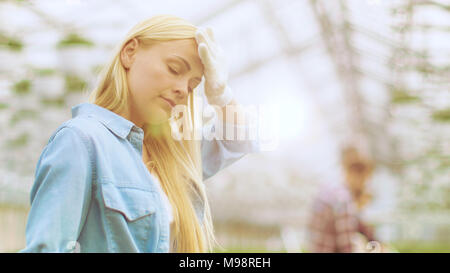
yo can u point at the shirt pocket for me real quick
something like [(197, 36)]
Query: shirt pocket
[(132, 218), (132, 203)]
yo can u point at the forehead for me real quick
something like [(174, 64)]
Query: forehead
[(185, 48)]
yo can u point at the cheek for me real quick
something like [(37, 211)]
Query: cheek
[(147, 81)]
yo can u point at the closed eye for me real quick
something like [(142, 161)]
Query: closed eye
[(172, 70)]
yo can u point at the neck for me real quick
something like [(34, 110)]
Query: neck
[(130, 115)]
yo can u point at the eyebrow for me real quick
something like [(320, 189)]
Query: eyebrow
[(186, 64)]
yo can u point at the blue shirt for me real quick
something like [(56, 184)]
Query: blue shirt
[(93, 193)]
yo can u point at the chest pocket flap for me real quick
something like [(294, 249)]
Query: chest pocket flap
[(133, 203)]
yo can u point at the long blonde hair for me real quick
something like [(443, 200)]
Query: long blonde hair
[(178, 163)]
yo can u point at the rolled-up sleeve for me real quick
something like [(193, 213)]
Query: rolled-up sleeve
[(217, 154), (61, 193)]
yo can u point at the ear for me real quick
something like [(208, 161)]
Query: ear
[(128, 53)]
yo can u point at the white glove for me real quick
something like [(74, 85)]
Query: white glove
[(216, 74)]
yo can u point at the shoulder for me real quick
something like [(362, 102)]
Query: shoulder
[(84, 127)]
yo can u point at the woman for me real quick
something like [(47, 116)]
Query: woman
[(112, 179)]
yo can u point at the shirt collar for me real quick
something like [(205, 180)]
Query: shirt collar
[(116, 123)]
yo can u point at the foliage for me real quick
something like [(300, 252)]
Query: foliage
[(422, 247), (54, 102), (74, 84), (243, 249), (19, 141), (74, 39), (11, 43), (3, 105), (441, 115), (22, 114), (45, 72), (22, 87), (401, 96)]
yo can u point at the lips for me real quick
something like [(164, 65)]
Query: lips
[(169, 101)]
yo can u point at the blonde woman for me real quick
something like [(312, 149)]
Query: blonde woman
[(112, 178)]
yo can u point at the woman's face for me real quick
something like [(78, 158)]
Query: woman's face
[(357, 175), (160, 77)]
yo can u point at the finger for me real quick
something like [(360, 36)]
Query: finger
[(211, 33), (203, 37), (199, 36), (209, 36), (205, 55)]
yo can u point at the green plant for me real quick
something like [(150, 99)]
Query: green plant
[(74, 39), (11, 43), (54, 102), (441, 115), (421, 247), (241, 249), (22, 87), (22, 114), (19, 141), (3, 105), (44, 72), (401, 96), (74, 84)]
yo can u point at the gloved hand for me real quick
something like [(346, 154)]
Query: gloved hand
[(216, 74)]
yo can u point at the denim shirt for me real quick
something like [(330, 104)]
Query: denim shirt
[(93, 193)]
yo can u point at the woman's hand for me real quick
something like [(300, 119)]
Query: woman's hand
[(216, 74)]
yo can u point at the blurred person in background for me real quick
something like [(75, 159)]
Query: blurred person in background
[(113, 178), (335, 224)]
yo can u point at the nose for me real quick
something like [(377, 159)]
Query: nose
[(181, 91)]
